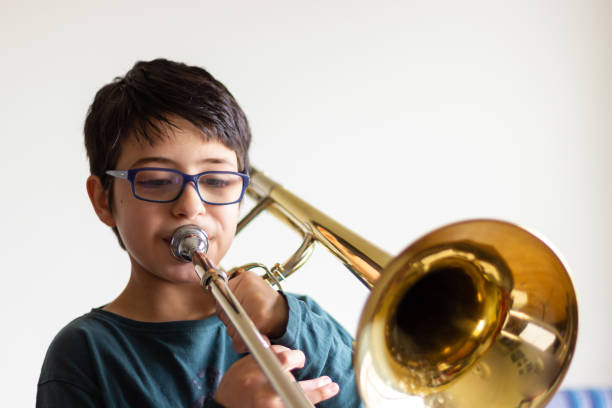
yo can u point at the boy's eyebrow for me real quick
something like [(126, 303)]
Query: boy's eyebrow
[(165, 160)]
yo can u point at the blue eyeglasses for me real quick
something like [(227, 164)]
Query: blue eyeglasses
[(160, 185)]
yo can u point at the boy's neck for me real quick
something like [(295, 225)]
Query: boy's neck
[(150, 299)]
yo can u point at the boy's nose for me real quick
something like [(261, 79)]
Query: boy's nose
[(188, 204)]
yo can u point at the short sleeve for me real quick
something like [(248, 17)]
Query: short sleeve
[(327, 345)]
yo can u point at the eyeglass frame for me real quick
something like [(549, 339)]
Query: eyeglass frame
[(130, 175)]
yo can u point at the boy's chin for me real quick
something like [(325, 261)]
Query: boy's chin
[(184, 273), (171, 271)]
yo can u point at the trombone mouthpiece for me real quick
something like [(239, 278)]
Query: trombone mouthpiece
[(186, 241)]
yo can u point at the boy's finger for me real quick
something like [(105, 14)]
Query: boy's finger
[(239, 346), (315, 383), (277, 348), (291, 359), (319, 389), (238, 278)]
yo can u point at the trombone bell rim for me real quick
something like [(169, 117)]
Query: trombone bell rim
[(514, 283)]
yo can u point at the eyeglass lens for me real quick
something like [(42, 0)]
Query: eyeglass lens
[(159, 185)]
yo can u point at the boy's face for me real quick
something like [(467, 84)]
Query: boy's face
[(146, 227)]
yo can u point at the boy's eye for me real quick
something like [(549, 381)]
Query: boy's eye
[(156, 180), (153, 183), (214, 182)]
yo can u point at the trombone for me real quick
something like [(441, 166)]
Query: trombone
[(479, 313)]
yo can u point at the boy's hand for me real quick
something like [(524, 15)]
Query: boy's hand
[(265, 306), (245, 386)]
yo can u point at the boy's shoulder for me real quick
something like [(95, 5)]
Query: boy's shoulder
[(73, 337), (67, 357)]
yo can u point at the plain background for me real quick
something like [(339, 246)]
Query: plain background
[(392, 117)]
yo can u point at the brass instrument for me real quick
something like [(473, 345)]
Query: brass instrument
[(189, 243), (479, 313)]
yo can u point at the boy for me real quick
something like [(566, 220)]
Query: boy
[(162, 342)]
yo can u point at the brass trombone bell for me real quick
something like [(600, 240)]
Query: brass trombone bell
[(480, 313)]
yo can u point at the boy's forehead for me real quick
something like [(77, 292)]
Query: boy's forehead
[(180, 145)]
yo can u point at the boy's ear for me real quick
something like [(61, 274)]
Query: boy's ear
[(99, 200)]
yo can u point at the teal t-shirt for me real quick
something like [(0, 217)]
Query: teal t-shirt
[(105, 360)]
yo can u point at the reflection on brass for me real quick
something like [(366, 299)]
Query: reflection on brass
[(479, 313)]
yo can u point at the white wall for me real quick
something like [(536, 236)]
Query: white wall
[(392, 117)]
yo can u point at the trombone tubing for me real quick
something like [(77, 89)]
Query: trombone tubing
[(365, 260)]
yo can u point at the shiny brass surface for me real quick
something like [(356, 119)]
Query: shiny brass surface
[(364, 259), (479, 313)]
